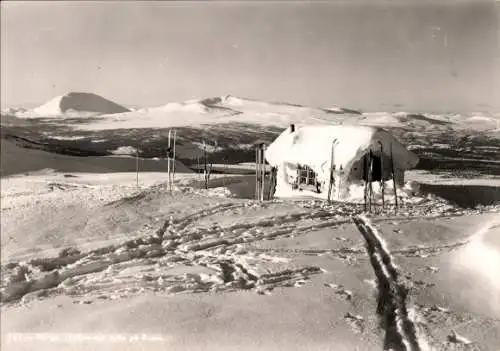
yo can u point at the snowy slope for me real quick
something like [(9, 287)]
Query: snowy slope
[(16, 160)]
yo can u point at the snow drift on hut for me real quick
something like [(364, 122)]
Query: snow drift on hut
[(304, 157)]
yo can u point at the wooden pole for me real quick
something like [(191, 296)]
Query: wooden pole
[(394, 183), (365, 172), (272, 185), (198, 166), (137, 166), (205, 163), (382, 183), (260, 172), (168, 160), (341, 175), (332, 169), (173, 157), (370, 179), (263, 172), (256, 172), (224, 167)]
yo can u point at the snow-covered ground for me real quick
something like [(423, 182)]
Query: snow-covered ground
[(278, 275)]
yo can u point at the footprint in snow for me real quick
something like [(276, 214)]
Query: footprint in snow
[(299, 283), (431, 269), (458, 339), (264, 291), (340, 290), (82, 302), (439, 309), (356, 322)]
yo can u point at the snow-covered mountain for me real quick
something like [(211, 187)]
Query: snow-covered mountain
[(230, 109), (480, 121), (72, 104), (219, 110)]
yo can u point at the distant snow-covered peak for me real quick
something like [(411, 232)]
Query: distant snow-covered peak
[(51, 107), (230, 100), (224, 101), (191, 106), (74, 104)]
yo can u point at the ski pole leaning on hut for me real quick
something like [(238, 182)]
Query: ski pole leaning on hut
[(273, 182), (332, 170), (260, 171), (365, 177), (370, 182), (263, 169), (382, 182)]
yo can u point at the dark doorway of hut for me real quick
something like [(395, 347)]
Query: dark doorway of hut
[(373, 171)]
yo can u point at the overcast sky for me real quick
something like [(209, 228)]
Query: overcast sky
[(383, 56)]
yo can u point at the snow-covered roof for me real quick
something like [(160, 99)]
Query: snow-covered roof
[(312, 146)]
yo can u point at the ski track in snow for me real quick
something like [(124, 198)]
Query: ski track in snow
[(400, 331)]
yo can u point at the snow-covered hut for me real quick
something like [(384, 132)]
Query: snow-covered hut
[(303, 159)]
